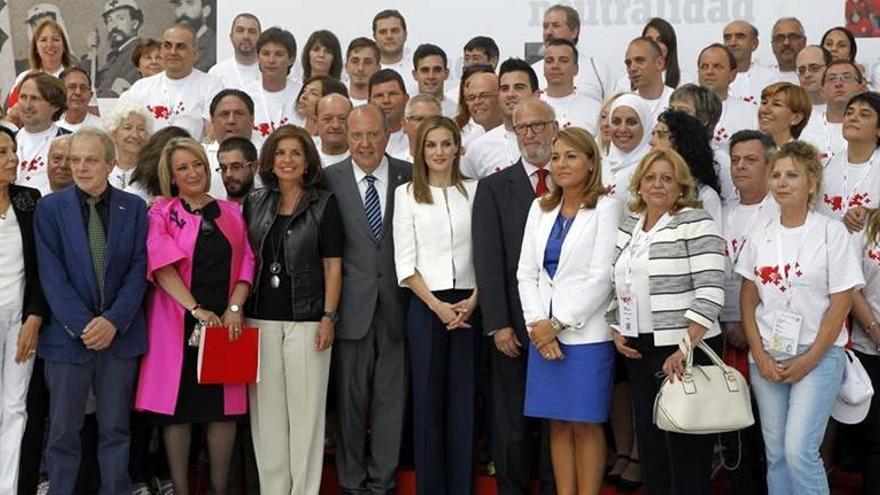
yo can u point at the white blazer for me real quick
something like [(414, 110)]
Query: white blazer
[(435, 239), (581, 288)]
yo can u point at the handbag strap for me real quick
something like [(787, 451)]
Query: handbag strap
[(729, 374)]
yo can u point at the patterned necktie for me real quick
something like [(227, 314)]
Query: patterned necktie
[(374, 210), (541, 187), (97, 243)]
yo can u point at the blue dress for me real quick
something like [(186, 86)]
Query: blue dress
[(577, 388)]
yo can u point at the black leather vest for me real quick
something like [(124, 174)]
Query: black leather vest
[(302, 259)]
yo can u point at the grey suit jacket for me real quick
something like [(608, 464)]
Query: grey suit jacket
[(368, 275)]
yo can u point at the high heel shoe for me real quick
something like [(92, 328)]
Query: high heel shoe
[(626, 485), (612, 478)]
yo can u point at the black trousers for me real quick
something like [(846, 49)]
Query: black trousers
[(443, 393), (517, 441), (672, 463)]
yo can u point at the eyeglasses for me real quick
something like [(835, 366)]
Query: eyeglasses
[(790, 38), (844, 78), (535, 127), (360, 136), (233, 167), (480, 96), (811, 68)]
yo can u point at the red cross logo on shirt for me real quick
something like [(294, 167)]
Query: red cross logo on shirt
[(769, 275), (835, 202)]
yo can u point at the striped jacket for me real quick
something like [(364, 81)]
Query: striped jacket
[(686, 266)]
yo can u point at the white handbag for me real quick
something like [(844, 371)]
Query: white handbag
[(708, 399)]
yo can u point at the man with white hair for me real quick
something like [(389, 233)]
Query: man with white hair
[(417, 109)]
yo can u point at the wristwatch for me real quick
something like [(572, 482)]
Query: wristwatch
[(333, 315), (234, 308), (557, 325), (195, 308)]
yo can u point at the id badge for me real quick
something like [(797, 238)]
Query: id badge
[(628, 314), (786, 333)]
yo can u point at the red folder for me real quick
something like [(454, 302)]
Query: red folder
[(226, 362)]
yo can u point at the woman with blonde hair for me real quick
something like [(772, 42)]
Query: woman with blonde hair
[(201, 266), (432, 255), (799, 276), (668, 280), (571, 359)]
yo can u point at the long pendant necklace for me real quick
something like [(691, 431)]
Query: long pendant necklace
[(276, 244)]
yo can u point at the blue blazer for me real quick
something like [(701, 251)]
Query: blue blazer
[(68, 276)]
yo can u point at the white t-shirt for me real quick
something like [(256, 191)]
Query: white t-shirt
[(736, 115), (404, 68), (618, 181), (826, 136), (33, 161), (470, 132), (722, 167), (449, 107), (660, 104), (327, 159), (576, 110), (711, 203), (181, 102), (272, 109), (740, 221), (846, 185), (90, 121), (593, 78), (824, 265), (490, 153), (398, 145), (748, 85), (870, 257), (11, 263), (234, 75)]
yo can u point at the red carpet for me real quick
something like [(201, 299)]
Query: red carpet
[(844, 484)]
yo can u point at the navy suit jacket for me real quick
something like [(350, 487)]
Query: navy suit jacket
[(68, 275)]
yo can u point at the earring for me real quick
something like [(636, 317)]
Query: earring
[(681, 194)]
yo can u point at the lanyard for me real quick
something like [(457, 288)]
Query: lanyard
[(638, 244), (846, 191), (733, 251), (269, 119), (780, 264)]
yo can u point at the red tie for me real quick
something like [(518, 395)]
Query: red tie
[(541, 187)]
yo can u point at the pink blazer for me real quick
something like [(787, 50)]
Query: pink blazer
[(171, 240)]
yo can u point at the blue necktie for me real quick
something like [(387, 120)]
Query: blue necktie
[(374, 210)]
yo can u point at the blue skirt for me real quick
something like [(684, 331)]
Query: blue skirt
[(577, 388)]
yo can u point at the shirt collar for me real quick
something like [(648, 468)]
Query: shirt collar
[(381, 172), (82, 196), (532, 169)]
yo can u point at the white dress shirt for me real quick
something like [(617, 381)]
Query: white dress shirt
[(381, 182), (398, 145), (434, 240)]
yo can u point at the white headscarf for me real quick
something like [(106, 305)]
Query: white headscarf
[(618, 159)]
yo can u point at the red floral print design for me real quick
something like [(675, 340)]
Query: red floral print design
[(835, 202), (266, 128), (161, 112), (721, 135), (860, 199), (29, 167), (874, 256), (769, 275)]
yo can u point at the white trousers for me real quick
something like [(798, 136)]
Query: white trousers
[(14, 381), (287, 408)]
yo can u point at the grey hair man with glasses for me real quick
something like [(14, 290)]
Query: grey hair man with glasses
[(369, 352), (501, 207), (842, 80), (788, 39), (811, 64), (418, 108)]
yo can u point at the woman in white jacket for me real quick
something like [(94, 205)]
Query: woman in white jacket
[(564, 280)]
